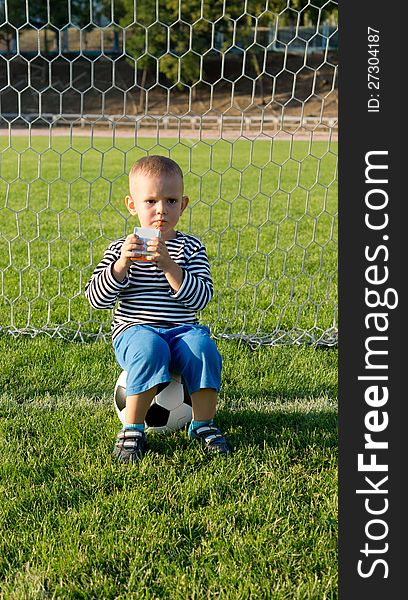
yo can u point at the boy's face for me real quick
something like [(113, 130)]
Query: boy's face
[(158, 201)]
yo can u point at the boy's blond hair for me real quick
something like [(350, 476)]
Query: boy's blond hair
[(155, 166)]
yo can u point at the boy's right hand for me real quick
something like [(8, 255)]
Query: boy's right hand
[(131, 248)]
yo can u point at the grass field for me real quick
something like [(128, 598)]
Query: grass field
[(260, 525), (266, 211)]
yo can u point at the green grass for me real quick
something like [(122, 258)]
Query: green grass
[(266, 211), (260, 525)]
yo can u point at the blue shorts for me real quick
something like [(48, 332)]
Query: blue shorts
[(149, 354)]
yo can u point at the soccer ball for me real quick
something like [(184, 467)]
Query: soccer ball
[(170, 409)]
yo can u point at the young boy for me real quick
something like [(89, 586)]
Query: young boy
[(155, 329)]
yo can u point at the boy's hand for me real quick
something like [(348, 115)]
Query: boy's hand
[(161, 255), (172, 271), (132, 246)]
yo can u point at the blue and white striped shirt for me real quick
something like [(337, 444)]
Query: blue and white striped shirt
[(145, 296)]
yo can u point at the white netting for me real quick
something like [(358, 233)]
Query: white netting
[(242, 95)]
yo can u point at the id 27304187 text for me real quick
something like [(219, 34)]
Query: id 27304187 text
[(373, 70)]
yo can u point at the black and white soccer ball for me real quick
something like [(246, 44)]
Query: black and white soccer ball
[(169, 411)]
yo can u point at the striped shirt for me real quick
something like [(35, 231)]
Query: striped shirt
[(145, 296)]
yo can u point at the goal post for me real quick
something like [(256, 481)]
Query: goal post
[(242, 95)]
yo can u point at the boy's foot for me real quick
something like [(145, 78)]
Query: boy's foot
[(130, 446), (211, 439)]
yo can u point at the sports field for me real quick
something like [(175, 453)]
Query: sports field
[(266, 211), (260, 525)]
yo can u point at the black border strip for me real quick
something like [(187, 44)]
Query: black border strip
[(361, 132)]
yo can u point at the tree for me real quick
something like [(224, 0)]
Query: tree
[(320, 9), (13, 16), (55, 15), (169, 37)]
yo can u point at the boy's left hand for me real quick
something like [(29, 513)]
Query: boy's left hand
[(172, 271), (161, 255)]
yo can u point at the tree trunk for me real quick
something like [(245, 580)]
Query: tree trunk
[(142, 85), (255, 64)]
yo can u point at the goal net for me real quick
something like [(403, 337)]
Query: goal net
[(243, 95)]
